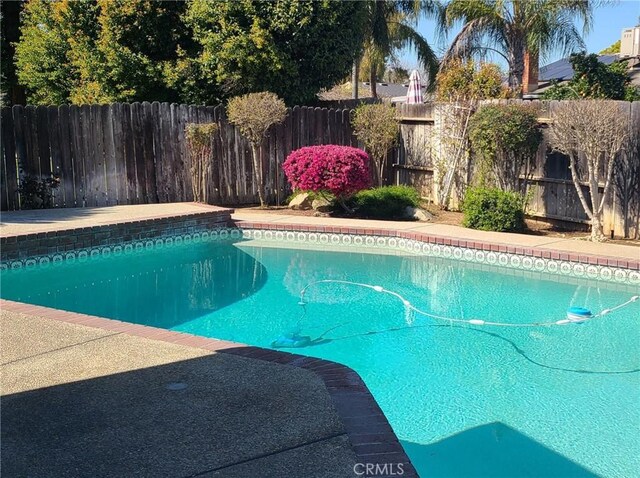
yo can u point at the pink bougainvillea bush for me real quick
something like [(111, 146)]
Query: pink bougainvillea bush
[(340, 170)]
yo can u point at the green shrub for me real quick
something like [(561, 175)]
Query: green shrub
[(386, 202), (493, 210), (36, 192), (505, 140)]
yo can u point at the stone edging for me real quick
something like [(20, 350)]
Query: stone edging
[(371, 437)]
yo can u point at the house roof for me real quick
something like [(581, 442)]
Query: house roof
[(562, 70), (394, 91)]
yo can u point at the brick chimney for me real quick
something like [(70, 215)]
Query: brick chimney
[(530, 74)]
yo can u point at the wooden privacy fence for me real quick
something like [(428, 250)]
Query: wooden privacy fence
[(554, 195), (136, 153)]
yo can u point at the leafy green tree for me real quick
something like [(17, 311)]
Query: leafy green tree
[(613, 48), (511, 28), (10, 90), (139, 43), (98, 51), (293, 48), (461, 81), (43, 65), (390, 26), (594, 79)]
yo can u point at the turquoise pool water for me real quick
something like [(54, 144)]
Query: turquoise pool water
[(464, 401)]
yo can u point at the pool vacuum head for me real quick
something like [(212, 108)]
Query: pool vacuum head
[(291, 341), (578, 314)]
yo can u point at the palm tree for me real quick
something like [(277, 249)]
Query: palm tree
[(515, 28), (390, 26)]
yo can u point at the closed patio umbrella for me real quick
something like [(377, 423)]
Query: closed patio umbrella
[(414, 93)]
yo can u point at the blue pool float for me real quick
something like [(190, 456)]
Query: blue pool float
[(578, 314)]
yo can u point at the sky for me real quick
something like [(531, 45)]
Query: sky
[(608, 23)]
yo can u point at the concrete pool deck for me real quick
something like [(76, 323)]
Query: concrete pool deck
[(79, 400), (46, 220)]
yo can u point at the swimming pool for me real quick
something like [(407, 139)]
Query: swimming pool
[(464, 400)]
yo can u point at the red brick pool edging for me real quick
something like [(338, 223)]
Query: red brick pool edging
[(370, 434), (545, 253)]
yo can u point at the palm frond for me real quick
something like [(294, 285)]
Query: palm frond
[(379, 27), (474, 37), (407, 37)]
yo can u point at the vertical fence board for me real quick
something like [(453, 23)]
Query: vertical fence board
[(227, 144), (241, 180), (269, 165), (138, 151), (88, 149), (10, 161), (213, 187), (192, 115), (75, 130), (129, 156), (281, 154), (148, 155), (100, 161), (158, 154), (18, 115), (176, 159), (167, 177), (110, 168), (31, 164), (44, 150), (185, 173), (119, 148), (4, 142), (295, 128), (302, 127), (55, 150), (92, 159), (66, 158)]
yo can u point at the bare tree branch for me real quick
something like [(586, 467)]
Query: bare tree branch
[(597, 131)]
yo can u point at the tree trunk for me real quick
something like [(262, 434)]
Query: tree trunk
[(516, 68), (372, 79), (355, 78), (257, 171), (597, 233)]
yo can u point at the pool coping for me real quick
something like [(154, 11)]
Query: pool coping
[(371, 437)]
